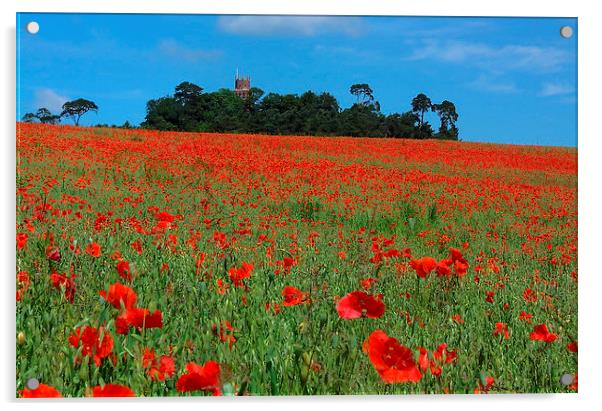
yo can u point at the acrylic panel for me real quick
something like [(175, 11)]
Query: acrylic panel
[(295, 205)]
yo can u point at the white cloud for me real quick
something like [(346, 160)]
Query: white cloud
[(494, 84), (50, 99), (500, 58), (556, 89), (290, 25), (172, 48)]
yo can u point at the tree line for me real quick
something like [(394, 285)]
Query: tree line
[(73, 109), (192, 109)]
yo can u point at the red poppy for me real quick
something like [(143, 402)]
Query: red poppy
[(68, 283), (53, 253), (367, 283), (525, 316), (357, 304), (43, 391), (23, 279), (423, 359), (112, 390), (225, 332), (572, 346), (123, 269), (21, 240), (159, 370), (137, 246), (93, 249), (484, 388), (237, 275), (393, 362), (91, 343), (423, 266), (541, 333), (489, 296), (139, 318), (120, 294), (460, 267), (457, 318), (443, 355), (501, 329), (293, 296), (204, 378), (443, 268), (165, 217)]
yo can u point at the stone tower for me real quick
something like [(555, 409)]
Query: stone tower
[(242, 84)]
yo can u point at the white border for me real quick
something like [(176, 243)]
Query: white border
[(590, 229)]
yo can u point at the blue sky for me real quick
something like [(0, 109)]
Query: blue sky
[(513, 80)]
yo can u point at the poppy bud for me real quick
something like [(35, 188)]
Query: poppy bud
[(306, 358), (304, 373)]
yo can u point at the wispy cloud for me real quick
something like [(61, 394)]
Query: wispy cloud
[(172, 48), (493, 84), (494, 58), (556, 89), (50, 99), (290, 25)]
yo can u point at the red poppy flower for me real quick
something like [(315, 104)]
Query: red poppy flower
[(112, 390), (525, 316), (443, 269), (165, 217), (489, 296), (91, 343), (237, 275), (123, 269), (203, 378), (393, 362), (93, 249), (43, 391), (139, 318), (53, 253), (293, 296), (225, 332), (572, 346), (357, 304), (423, 359), (457, 318), (460, 267), (158, 370), (541, 333), (23, 279), (367, 283), (489, 381), (501, 329), (423, 266), (68, 283), (137, 246), (120, 294), (21, 240)]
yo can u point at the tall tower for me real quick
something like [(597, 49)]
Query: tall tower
[(242, 84)]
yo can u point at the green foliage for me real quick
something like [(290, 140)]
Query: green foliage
[(77, 108), (191, 109)]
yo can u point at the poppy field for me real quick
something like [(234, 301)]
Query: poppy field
[(176, 264)]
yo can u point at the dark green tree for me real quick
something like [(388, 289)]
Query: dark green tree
[(77, 108), (43, 115), (362, 92), (420, 105), (448, 117), (29, 118)]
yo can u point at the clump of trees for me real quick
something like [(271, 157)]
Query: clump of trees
[(74, 109), (190, 108)]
